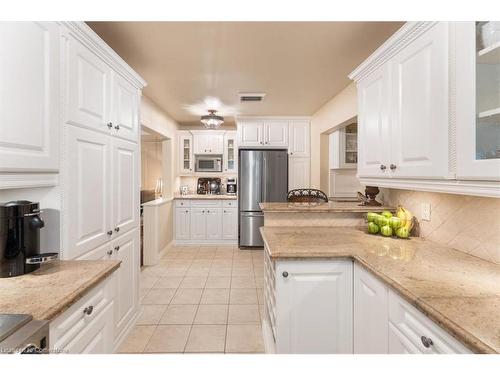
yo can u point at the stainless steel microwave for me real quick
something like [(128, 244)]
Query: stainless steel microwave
[(208, 163)]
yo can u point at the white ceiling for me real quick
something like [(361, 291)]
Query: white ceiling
[(191, 67)]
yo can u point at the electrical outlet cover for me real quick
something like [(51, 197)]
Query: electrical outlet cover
[(426, 212)]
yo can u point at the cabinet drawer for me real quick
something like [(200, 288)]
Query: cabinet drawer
[(416, 328), (229, 203), (206, 203), (67, 326), (182, 203)]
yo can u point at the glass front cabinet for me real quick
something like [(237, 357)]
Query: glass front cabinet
[(186, 165), (230, 153), (478, 100)]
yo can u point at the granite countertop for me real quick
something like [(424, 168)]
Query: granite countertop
[(206, 196), (458, 291), (330, 206), (49, 291)]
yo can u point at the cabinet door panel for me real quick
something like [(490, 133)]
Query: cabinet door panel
[(298, 173), (125, 109), (88, 87), (125, 185), (126, 250), (214, 223), (299, 138), (230, 153), (230, 223), (399, 344), (419, 124), (88, 190), (216, 142), (314, 307), (186, 165), (251, 133), (373, 131), (276, 133), (198, 224), (371, 313), (182, 223), (29, 96)]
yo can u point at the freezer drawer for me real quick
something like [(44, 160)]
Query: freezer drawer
[(250, 222)]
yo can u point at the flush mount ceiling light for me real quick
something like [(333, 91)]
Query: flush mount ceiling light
[(212, 121)]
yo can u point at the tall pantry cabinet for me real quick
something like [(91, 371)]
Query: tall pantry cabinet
[(100, 163)]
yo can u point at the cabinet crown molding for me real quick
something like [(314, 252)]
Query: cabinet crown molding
[(87, 36), (399, 40)]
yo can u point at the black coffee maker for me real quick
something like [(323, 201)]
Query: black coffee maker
[(20, 225)]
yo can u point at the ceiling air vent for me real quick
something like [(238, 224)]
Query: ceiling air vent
[(251, 96)]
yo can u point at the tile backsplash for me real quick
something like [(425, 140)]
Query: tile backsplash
[(466, 223)]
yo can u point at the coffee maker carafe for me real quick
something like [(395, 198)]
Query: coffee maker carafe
[(20, 225)]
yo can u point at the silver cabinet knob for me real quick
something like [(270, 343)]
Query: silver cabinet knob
[(202, 212), (426, 341), (117, 229), (88, 310), (117, 248), (392, 166), (109, 232), (383, 167), (110, 252), (291, 153), (109, 125), (285, 274), (187, 211), (117, 127)]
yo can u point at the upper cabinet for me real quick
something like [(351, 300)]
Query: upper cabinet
[(263, 133), (343, 145), (230, 153), (208, 142), (186, 163), (298, 138), (428, 102), (125, 109), (478, 100), (251, 133), (30, 100), (276, 133)]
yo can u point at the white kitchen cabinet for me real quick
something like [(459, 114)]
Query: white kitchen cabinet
[(186, 162), (198, 224), (30, 99), (313, 308), (208, 142), (419, 107), (125, 112), (299, 172), (371, 313), (182, 223), (398, 343), (230, 223), (251, 133), (478, 104), (299, 138), (373, 124), (126, 250), (343, 148), (276, 133), (88, 200), (213, 217), (230, 152)]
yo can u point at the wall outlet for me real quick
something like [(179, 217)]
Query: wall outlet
[(425, 213)]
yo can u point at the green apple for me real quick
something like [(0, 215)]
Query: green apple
[(381, 220), (373, 228), (386, 230), (403, 232), (387, 214), (372, 216), (395, 222)]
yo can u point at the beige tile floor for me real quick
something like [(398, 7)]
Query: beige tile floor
[(200, 299)]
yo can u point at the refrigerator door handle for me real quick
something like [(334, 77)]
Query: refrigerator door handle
[(264, 178)]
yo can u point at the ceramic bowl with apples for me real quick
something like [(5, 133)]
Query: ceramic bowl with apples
[(389, 225)]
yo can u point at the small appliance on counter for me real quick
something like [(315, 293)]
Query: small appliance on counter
[(208, 185), (231, 186), (20, 225), (184, 190), (19, 333)]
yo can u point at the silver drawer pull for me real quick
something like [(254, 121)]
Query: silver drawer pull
[(88, 310), (426, 341), (117, 248)]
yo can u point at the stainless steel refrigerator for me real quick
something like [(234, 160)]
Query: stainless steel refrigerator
[(262, 177)]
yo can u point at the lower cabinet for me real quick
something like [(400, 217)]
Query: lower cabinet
[(313, 308), (206, 222), (299, 175)]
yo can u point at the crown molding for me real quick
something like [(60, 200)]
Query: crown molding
[(398, 41), (87, 36)]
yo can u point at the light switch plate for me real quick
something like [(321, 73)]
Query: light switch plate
[(425, 213)]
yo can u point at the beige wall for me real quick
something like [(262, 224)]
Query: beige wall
[(466, 223), (158, 120), (151, 164), (331, 116)]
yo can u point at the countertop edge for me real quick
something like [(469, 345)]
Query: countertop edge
[(465, 337), (57, 309)]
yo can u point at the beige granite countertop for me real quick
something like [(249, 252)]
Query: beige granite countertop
[(330, 206), (459, 292), (49, 291), (206, 196)]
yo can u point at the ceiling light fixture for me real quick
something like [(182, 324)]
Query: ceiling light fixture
[(212, 121)]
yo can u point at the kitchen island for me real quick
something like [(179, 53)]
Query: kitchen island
[(422, 296)]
